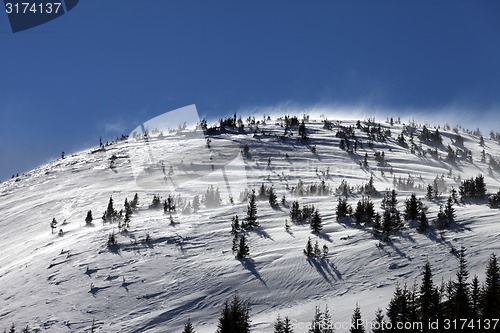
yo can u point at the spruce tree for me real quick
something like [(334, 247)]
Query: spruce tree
[(378, 325), (343, 209), (490, 303), (309, 251), (316, 223), (272, 198), (423, 223), (188, 327), (235, 317), (357, 321), (428, 298), (460, 296), (196, 203), (251, 218), (89, 218), (243, 250), (111, 214), (413, 207), (295, 212), (135, 201)]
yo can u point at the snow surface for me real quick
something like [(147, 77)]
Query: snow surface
[(187, 270)]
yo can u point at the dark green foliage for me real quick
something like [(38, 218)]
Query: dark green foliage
[(302, 131), (89, 218), (295, 212), (309, 250), (273, 198), (357, 321), (235, 317), (283, 325), (135, 201), (430, 192), (365, 211), (251, 218), (128, 214), (413, 208), (378, 325), (428, 297), (494, 200), (449, 210), (188, 327), (243, 250), (473, 188), (423, 223), (490, 300), (110, 215), (235, 225), (460, 298), (316, 222), (343, 209)]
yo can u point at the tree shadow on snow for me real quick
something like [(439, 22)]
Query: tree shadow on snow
[(249, 264), (327, 269)]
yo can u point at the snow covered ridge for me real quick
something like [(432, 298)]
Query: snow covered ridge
[(171, 259)]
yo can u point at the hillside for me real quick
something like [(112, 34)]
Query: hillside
[(162, 273)]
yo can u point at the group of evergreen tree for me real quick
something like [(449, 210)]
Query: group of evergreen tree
[(494, 200), (473, 188), (391, 218), (306, 213), (13, 329), (314, 251), (468, 302), (212, 197), (415, 211), (365, 211)]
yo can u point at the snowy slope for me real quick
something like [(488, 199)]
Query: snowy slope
[(187, 269)]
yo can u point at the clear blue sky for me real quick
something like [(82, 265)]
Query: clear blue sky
[(108, 65)]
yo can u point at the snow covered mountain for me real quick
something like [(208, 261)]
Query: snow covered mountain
[(172, 266)]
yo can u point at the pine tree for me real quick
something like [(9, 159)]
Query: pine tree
[(413, 208), (357, 321), (235, 317), (460, 297), (490, 300), (251, 218), (272, 198), (128, 214), (343, 209), (283, 326), (449, 211), (428, 298), (295, 212), (243, 250), (309, 251), (235, 225), (111, 214), (316, 325), (430, 192), (188, 327), (423, 223), (378, 325), (53, 224), (135, 201), (89, 218), (316, 223)]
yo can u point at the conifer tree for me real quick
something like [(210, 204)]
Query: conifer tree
[(135, 201), (235, 317), (251, 218), (430, 192), (413, 208), (111, 214), (357, 321), (423, 223), (89, 218), (343, 209), (378, 325), (428, 298), (243, 250), (128, 214), (272, 198), (460, 297), (295, 212), (283, 325), (188, 327), (449, 210), (309, 250), (316, 223), (490, 300)]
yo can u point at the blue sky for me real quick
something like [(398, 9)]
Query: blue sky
[(108, 65)]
